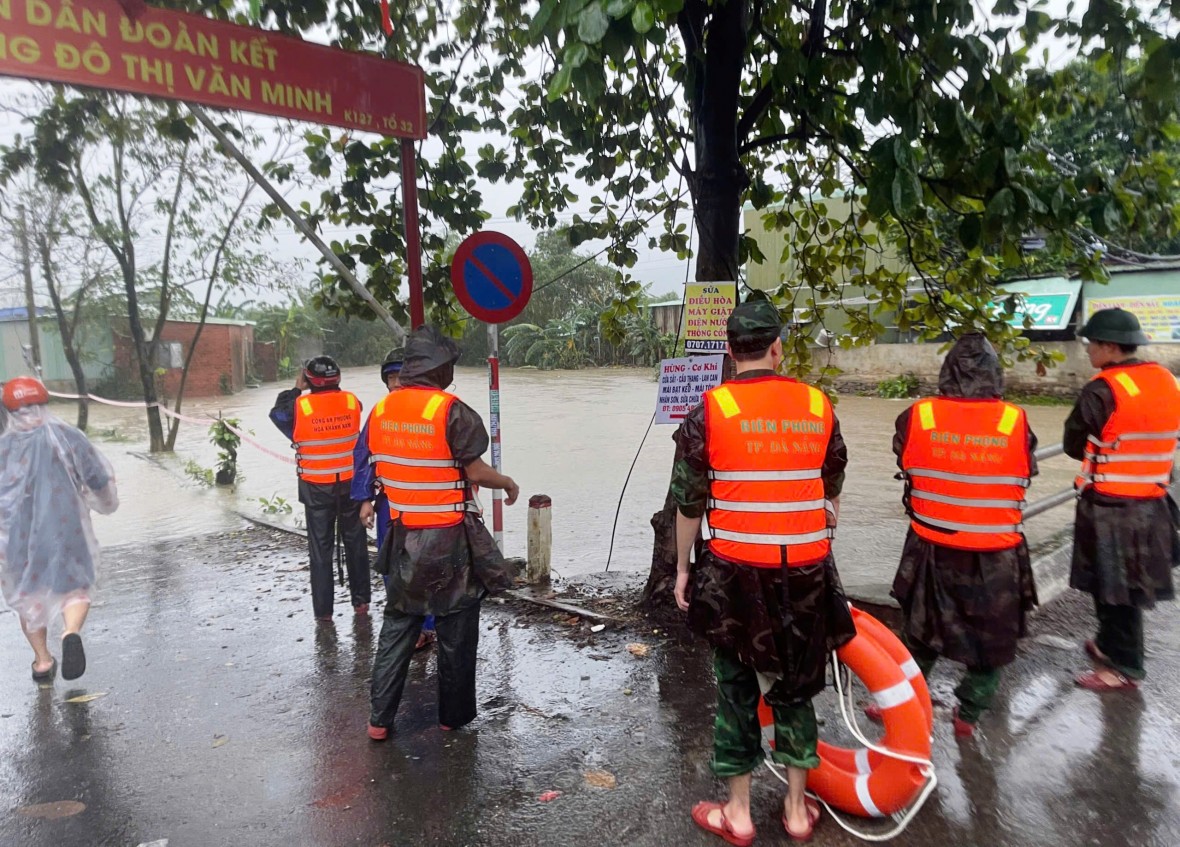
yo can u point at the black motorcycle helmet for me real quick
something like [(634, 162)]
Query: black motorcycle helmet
[(392, 363), (321, 373)]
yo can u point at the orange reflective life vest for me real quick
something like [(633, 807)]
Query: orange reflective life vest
[(327, 424), (967, 465), (766, 440), (1134, 456), (425, 486)]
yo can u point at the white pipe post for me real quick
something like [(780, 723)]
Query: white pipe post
[(540, 539)]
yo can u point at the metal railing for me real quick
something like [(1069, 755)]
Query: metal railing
[(1068, 495), (1053, 500)]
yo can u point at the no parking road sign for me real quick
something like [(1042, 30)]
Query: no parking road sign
[(492, 277)]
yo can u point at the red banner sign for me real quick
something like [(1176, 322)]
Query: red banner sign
[(187, 57)]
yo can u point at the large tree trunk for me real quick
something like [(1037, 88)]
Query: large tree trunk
[(143, 357), (66, 330), (717, 184)]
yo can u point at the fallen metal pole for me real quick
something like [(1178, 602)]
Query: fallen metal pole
[(1050, 451), (1050, 502), (297, 219)]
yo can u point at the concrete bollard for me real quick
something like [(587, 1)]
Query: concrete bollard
[(540, 539)]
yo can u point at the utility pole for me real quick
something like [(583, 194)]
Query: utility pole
[(306, 229), (30, 304)]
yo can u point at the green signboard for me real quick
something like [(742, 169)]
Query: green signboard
[(1049, 303), (1048, 311)]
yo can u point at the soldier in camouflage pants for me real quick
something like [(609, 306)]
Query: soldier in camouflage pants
[(771, 628)]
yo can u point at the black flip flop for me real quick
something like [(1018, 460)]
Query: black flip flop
[(73, 657), (45, 677)]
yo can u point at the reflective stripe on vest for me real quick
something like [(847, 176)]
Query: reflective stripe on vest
[(767, 439), (1133, 458), (967, 467), (408, 445), (413, 463), (444, 485), (327, 424)]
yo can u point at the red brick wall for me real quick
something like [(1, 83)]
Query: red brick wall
[(221, 350)]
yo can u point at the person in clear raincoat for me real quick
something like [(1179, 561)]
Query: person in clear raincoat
[(51, 477)]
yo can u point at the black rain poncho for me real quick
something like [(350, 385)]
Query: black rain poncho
[(445, 570), (1124, 550), (783, 631), (970, 607)]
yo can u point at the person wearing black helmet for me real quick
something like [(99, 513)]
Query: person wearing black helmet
[(323, 427), (391, 367), (1123, 429)]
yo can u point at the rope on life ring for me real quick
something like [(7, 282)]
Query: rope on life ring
[(895, 777)]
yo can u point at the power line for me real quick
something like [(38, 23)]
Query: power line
[(619, 508), (587, 260)]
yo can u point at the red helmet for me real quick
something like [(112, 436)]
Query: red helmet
[(24, 391)]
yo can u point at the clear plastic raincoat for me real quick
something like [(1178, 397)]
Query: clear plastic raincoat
[(51, 478)]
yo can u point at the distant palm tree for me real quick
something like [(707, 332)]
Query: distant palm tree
[(553, 346)]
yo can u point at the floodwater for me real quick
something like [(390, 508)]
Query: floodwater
[(569, 434)]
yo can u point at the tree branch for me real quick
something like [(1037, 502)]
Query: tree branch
[(770, 140), (476, 38), (169, 235)]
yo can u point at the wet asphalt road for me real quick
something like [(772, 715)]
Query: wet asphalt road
[(226, 718)]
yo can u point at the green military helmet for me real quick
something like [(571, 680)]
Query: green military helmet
[(754, 325), (392, 363), (1118, 326)]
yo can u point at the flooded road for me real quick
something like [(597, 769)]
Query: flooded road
[(569, 434), (215, 713)]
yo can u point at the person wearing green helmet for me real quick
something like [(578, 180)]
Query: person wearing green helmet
[(763, 457), (1124, 431)]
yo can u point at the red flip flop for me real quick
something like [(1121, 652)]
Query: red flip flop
[(425, 638), (700, 816), (813, 815), (1093, 681)]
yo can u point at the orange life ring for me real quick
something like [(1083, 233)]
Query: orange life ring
[(893, 645), (863, 782)]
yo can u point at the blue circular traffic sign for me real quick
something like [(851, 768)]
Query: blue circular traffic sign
[(492, 277)]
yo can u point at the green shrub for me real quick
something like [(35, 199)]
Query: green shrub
[(197, 473), (898, 388)]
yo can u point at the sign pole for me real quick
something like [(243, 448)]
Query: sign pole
[(413, 236), (494, 415), (493, 281)]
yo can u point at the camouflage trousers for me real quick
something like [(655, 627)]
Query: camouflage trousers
[(975, 691), (737, 735)]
